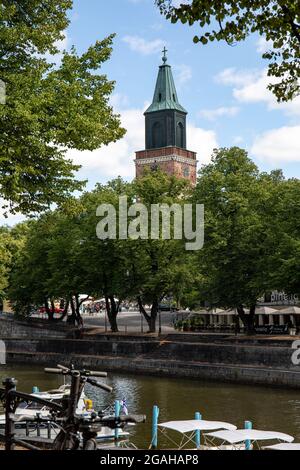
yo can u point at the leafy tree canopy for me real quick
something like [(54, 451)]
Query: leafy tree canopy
[(49, 107), (12, 241), (233, 20), (241, 234)]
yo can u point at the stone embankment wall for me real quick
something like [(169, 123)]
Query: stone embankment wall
[(264, 361), (11, 328)]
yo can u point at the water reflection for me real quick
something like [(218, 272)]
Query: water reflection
[(268, 408)]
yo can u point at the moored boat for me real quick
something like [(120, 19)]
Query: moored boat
[(49, 431)]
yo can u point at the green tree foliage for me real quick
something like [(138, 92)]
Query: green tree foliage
[(50, 107), (30, 271), (251, 245), (63, 257), (236, 263), (286, 273), (233, 20), (105, 261), (11, 243), (157, 265)]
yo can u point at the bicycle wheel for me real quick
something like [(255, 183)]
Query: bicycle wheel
[(91, 444)]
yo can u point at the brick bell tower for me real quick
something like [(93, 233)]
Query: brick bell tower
[(166, 132)]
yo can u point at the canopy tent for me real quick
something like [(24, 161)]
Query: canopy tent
[(200, 312), (224, 312), (283, 446), (196, 425), (292, 310), (241, 435), (217, 311), (258, 311), (266, 311)]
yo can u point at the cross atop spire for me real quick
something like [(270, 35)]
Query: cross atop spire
[(165, 95), (165, 58)]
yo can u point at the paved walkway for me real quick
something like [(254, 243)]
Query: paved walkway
[(131, 322)]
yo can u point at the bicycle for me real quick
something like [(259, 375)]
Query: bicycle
[(80, 432), (76, 432)]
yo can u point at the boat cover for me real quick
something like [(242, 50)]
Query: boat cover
[(284, 446), (196, 425), (241, 435)]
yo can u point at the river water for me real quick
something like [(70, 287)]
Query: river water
[(268, 408)]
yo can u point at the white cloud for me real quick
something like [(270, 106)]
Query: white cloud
[(119, 101), (262, 45), (233, 77), (213, 114), (177, 3), (238, 140), (141, 45), (10, 219), (252, 87), (118, 158), (201, 141), (183, 74), (278, 145)]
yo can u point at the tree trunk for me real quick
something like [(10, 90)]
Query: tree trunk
[(143, 311), (151, 319), (79, 318), (72, 318), (154, 312), (65, 312), (49, 312), (247, 319), (112, 312)]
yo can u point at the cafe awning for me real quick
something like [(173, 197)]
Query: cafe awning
[(266, 311), (292, 310)]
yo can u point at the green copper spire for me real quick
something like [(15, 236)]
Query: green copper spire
[(165, 95)]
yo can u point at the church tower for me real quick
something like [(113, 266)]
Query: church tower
[(166, 132)]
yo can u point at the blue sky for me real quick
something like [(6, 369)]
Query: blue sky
[(222, 87)]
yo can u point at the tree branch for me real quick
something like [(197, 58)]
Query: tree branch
[(295, 27)]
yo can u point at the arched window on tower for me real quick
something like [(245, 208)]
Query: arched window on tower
[(157, 135), (180, 135)]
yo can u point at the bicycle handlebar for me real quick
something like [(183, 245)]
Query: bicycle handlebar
[(133, 419), (54, 371), (87, 374), (93, 373), (62, 370), (95, 383)]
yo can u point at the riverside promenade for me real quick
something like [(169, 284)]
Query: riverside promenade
[(265, 360)]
